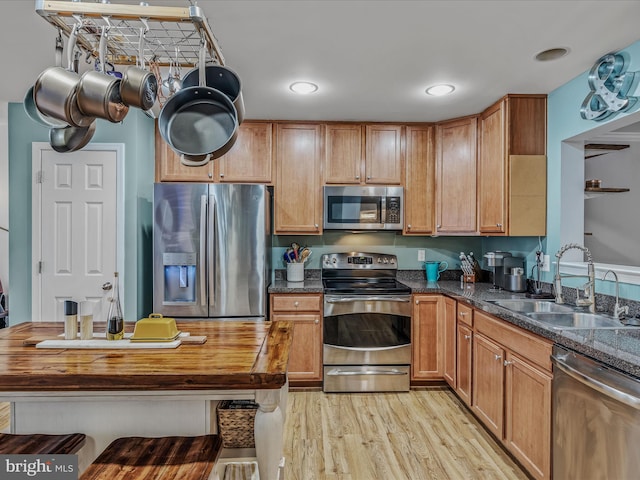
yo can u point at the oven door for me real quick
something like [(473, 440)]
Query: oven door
[(367, 330)]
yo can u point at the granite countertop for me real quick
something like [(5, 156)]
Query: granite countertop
[(617, 347)]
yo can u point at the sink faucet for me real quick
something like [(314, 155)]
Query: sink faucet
[(589, 287), (617, 309)]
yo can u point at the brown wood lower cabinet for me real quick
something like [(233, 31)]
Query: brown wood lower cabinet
[(305, 356), (464, 362), (427, 337), (450, 347), (512, 390)]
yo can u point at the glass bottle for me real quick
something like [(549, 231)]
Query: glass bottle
[(115, 320)]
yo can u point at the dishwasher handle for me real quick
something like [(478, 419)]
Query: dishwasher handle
[(596, 384)]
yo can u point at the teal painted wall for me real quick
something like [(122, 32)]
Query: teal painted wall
[(137, 134)]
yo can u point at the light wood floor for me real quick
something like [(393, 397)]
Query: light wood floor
[(423, 434)]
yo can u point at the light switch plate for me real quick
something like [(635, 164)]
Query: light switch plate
[(421, 255)]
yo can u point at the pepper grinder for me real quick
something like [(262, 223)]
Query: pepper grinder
[(70, 320)]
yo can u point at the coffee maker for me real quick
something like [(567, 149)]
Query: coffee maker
[(508, 271)]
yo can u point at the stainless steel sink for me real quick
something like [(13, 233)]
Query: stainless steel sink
[(574, 320), (531, 305)]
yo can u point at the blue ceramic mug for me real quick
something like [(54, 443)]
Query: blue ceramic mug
[(434, 269)]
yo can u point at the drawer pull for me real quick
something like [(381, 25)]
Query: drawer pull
[(295, 304), (507, 363), (467, 337), (498, 357)]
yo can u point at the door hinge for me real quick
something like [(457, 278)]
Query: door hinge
[(39, 177), (40, 266)]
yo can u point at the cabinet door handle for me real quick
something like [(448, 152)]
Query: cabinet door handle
[(317, 321), (210, 175), (507, 363), (222, 175), (368, 177), (438, 227), (498, 357), (467, 337), (315, 225), (357, 177), (499, 225), (462, 314), (409, 227)]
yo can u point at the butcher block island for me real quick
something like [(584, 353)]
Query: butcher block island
[(112, 393)]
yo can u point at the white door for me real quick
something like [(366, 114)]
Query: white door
[(75, 253)]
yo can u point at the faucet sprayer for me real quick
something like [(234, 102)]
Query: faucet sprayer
[(589, 287)]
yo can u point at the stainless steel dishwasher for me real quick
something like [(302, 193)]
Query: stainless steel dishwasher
[(596, 420)]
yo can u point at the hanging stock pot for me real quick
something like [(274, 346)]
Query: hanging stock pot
[(139, 86), (99, 93), (55, 90)]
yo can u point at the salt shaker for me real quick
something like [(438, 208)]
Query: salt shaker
[(86, 320)]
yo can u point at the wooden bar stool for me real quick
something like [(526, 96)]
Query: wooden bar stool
[(38, 443), (166, 458)]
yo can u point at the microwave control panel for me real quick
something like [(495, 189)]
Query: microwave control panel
[(393, 210)]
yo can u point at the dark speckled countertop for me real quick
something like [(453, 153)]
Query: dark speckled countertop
[(618, 348)]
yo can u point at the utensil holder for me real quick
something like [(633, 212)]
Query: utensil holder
[(295, 272)]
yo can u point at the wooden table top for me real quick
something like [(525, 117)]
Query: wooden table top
[(236, 355)]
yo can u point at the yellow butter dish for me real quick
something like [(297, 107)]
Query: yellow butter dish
[(155, 328)]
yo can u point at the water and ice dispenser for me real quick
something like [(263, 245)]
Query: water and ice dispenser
[(179, 278)]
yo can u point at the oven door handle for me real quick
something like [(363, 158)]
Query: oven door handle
[(367, 299), (336, 372)]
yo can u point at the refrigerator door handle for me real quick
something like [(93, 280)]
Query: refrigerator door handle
[(202, 261), (211, 241)]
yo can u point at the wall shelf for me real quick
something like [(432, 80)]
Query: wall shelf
[(597, 149), (596, 192)]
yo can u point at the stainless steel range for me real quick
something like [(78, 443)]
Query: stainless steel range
[(367, 324)]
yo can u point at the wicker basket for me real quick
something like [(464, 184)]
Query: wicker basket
[(235, 423)]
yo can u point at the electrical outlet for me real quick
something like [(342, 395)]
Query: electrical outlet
[(546, 263), (421, 255)]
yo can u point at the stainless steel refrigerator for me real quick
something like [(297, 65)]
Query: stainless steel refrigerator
[(211, 250)]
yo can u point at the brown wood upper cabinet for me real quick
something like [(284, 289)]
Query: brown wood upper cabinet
[(381, 164), (298, 193), (250, 160), (512, 167), (456, 154), (419, 191)]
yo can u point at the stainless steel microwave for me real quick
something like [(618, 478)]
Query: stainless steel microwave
[(363, 208)]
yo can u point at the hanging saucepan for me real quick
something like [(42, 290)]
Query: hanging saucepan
[(30, 104), (69, 139), (221, 78), (199, 122), (55, 89), (139, 86), (99, 93)]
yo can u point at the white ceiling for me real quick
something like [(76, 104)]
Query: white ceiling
[(371, 59)]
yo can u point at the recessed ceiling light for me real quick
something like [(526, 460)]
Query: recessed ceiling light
[(439, 90), (303, 88), (551, 54)]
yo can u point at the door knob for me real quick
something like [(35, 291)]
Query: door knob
[(106, 286)]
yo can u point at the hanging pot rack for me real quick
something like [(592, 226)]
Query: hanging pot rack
[(173, 35)]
